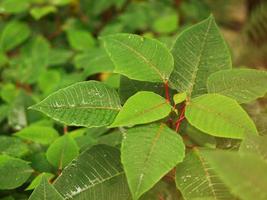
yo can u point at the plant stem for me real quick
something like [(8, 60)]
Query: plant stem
[(167, 94), (65, 129), (181, 118)]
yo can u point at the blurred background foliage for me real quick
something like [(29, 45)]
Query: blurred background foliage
[(49, 44)]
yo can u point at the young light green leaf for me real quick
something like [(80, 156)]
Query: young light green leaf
[(219, 116), (139, 58), (45, 191), (37, 180), (62, 151), (39, 134), (142, 108), (148, 153), (14, 172), (198, 52), (13, 34), (88, 103), (254, 144), (39, 12), (243, 85), (96, 174), (196, 179), (179, 98), (245, 175)]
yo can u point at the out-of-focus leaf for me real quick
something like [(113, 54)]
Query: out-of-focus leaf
[(96, 174), (166, 24), (13, 34), (39, 134), (59, 56), (14, 172), (62, 151), (48, 81), (39, 12), (14, 6), (80, 39), (13, 146)]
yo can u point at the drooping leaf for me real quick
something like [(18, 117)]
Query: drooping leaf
[(196, 179), (39, 134), (219, 116), (13, 34), (198, 52), (96, 175), (142, 108), (254, 144), (245, 175), (148, 153), (14, 172), (37, 180), (88, 103), (45, 191), (243, 85), (139, 58), (13, 146), (62, 151)]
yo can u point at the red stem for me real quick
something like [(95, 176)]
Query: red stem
[(181, 118), (65, 129), (167, 91)]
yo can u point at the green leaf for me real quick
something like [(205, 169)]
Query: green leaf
[(94, 61), (58, 56), (139, 58), (179, 98), (39, 134), (254, 144), (80, 39), (198, 52), (14, 172), (243, 85), (39, 12), (88, 103), (49, 80), (219, 116), (196, 179), (13, 146), (142, 108), (14, 6), (45, 191), (96, 174), (129, 87), (245, 175), (13, 34), (37, 180), (148, 153), (166, 24), (62, 151), (112, 139)]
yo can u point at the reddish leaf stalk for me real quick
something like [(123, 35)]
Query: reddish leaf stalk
[(167, 94), (65, 130), (181, 118)]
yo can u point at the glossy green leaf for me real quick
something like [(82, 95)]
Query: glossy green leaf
[(45, 191), (142, 108), (62, 151), (254, 144), (245, 175), (13, 146), (198, 52), (89, 103), (96, 175), (243, 85), (80, 39), (37, 180), (139, 58), (196, 179), (14, 172), (219, 116), (148, 153), (39, 134), (13, 34)]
